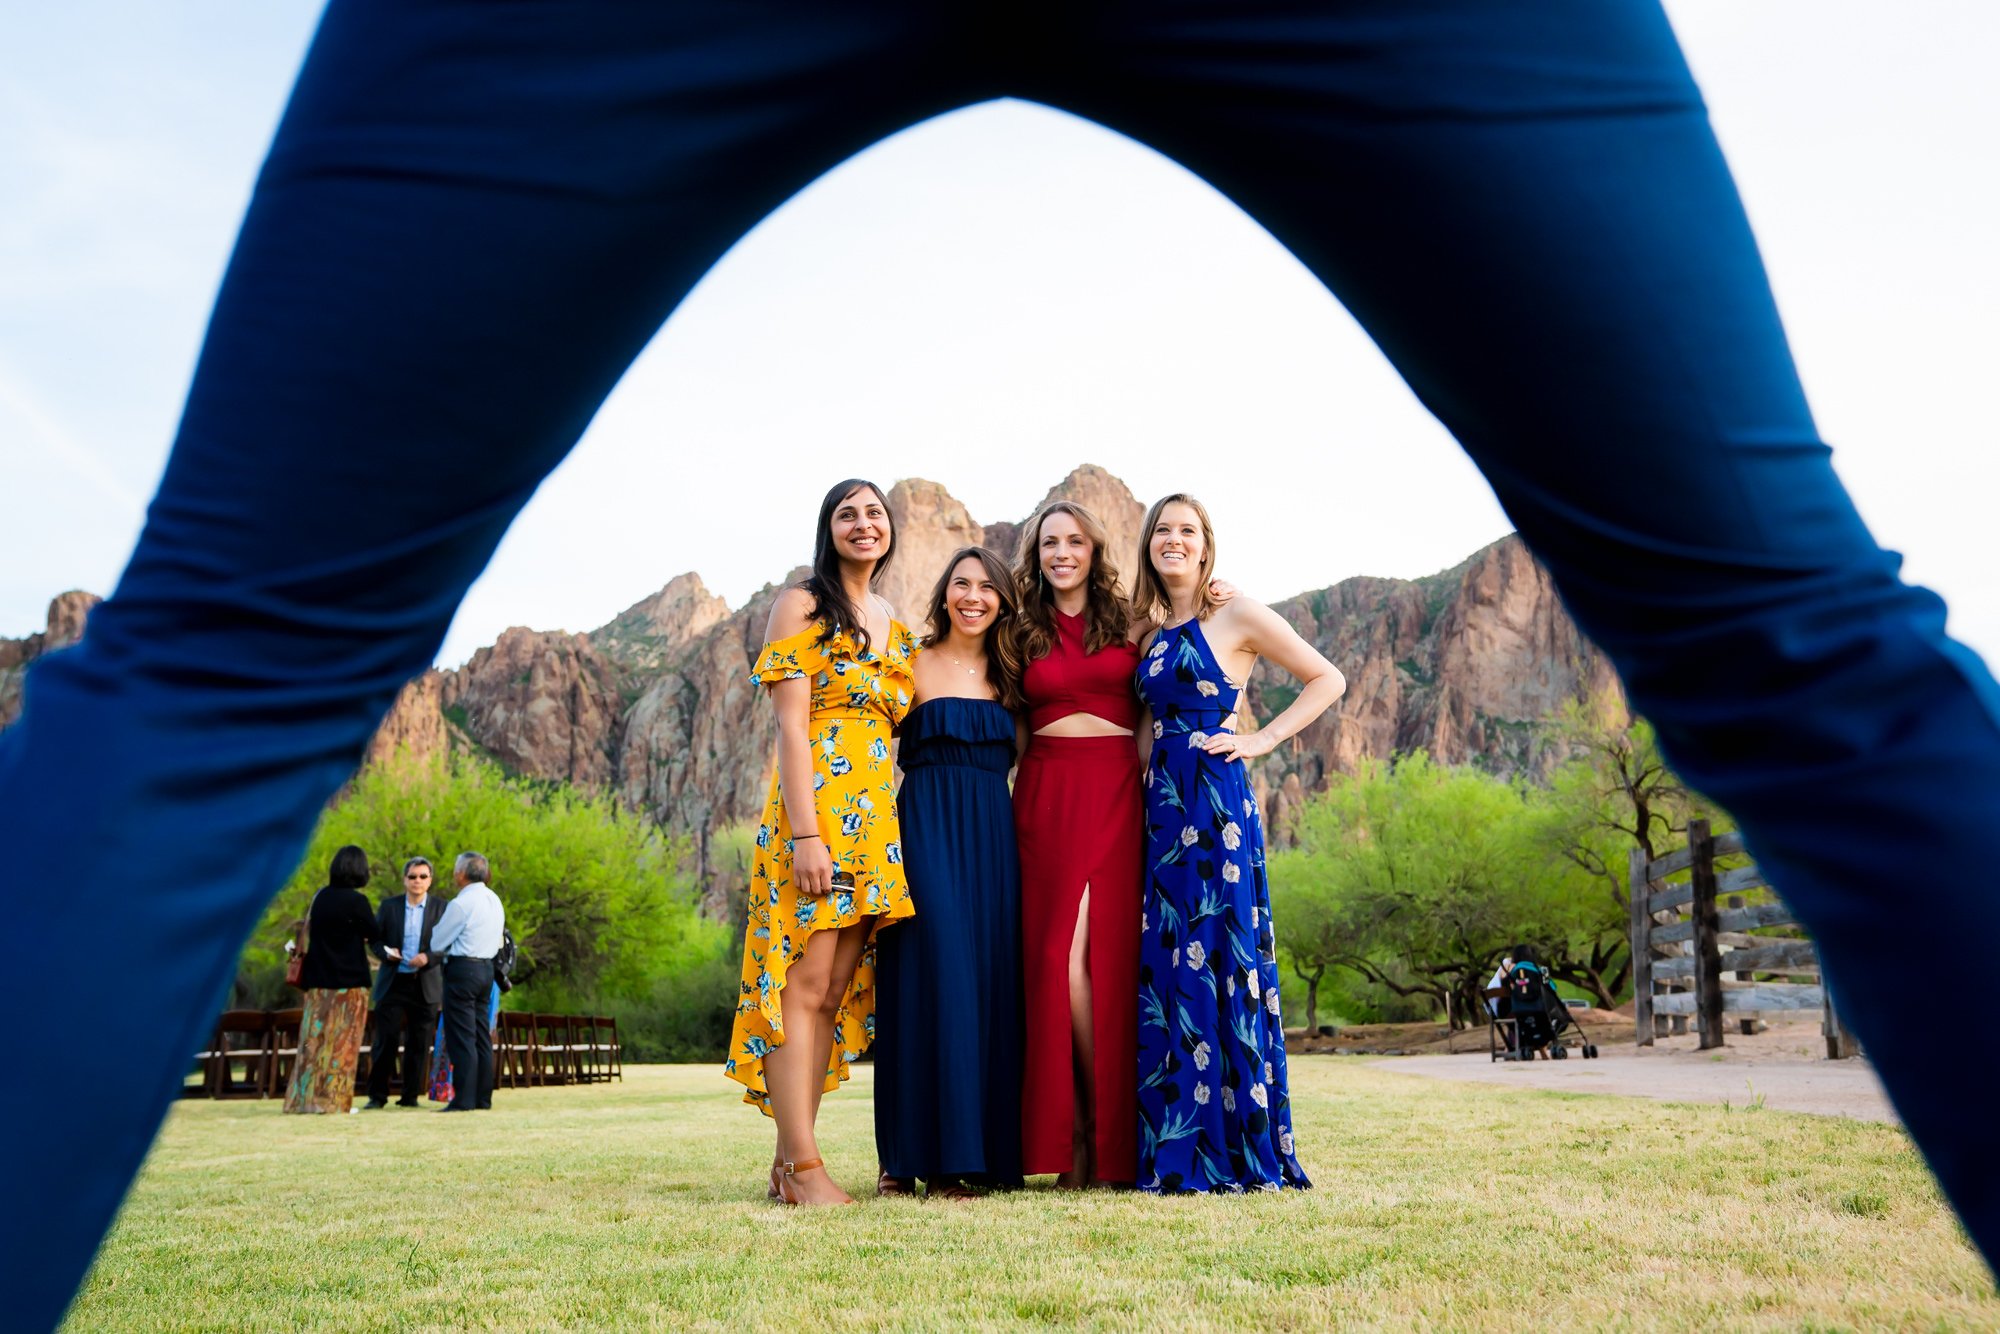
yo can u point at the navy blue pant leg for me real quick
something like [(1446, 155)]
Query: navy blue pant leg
[(471, 219), (475, 214), (1524, 204)]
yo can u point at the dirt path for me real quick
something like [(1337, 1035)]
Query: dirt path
[(1782, 1066)]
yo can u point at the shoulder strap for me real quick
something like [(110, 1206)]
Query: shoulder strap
[(305, 923)]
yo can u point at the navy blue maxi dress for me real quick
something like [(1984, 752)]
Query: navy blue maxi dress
[(1214, 1103), (948, 979)]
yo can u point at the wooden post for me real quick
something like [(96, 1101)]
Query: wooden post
[(1840, 1043), (1749, 1023), (1636, 888), (1707, 949)]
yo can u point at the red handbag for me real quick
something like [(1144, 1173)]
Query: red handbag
[(295, 967)]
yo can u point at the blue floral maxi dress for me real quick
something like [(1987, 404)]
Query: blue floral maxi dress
[(1214, 1103)]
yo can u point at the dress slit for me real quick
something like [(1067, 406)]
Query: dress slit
[(1077, 810)]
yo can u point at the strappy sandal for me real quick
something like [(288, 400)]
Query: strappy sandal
[(893, 1187), (956, 1189), (792, 1171)]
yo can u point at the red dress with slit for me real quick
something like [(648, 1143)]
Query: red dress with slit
[(1078, 812)]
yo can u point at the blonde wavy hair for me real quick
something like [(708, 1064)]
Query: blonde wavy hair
[(1151, 602)]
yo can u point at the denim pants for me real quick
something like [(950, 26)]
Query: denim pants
[(476, 212)]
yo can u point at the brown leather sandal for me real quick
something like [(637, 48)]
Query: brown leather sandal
[(956, 1189), (891, 1187), (791, 1169)]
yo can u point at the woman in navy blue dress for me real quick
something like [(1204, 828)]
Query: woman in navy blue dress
[(1214, 1103), (948, 980)]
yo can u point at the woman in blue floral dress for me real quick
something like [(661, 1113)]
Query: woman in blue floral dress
[(1214, 1103)]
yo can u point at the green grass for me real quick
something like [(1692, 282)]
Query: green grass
[(1439, 1206)]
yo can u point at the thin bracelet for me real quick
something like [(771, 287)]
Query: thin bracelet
[(796, 838)]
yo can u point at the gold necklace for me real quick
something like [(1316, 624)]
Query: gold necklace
[(969, 671)]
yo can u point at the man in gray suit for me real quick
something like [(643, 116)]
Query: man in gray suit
[(409, 987)]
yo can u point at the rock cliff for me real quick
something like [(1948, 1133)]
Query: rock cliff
[(1468, 664), (64, 627), (656, 706)]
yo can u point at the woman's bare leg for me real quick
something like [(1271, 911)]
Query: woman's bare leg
[(789, 1071), (1083, 1049), (811, 998)]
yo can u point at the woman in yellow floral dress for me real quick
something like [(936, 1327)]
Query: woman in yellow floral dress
[(837, 663)]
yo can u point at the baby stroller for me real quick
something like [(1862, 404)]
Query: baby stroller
[(1537, 1018)]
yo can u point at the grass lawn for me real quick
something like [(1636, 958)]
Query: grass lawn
[(641, 1206)]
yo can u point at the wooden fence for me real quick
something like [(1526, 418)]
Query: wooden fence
[(1693, 952)]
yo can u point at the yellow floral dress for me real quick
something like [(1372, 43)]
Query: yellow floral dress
[(857, 703)]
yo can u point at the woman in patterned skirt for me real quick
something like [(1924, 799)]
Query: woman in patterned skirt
[(1214, 1102), (829, 860), (340, 925)]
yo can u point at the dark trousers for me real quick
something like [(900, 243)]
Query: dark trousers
[(474, 215), (468, 996), (402, 1017)]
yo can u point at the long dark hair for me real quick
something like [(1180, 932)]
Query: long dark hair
[(1003, 649), (1103, 616), (831, 607)]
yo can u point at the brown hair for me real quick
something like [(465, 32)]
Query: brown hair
[(1003, 648), (1150, 600), (1104, 614)]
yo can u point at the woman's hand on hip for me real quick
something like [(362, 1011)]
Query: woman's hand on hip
[(1233, 747)]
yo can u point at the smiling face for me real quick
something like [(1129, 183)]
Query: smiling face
[(859, 527), (1177, 544), (1066, 552), (971, 598)]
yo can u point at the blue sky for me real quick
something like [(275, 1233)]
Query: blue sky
[(1042, 293)]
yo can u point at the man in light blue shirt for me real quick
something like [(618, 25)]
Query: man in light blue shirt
[(468, 936)]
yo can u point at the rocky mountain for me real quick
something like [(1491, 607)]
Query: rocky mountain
[(65, 626), (1468, 664), (655, 705)]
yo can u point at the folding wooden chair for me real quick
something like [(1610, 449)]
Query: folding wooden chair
[(364, 1056), (610, 1054), (233, 1066), (195, 1083), (552, 1046), (285, 1025), (514, 1059)]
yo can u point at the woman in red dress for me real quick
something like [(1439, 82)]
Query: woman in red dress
[(1077, 812)]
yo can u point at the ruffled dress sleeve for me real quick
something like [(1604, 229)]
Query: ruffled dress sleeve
[(799, 655)]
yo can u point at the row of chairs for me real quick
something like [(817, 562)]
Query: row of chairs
[(547, 1049), (251, 1053)]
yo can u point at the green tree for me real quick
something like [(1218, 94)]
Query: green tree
[(1404, 875), (1414, 878), (1615, 793), (595, 895)]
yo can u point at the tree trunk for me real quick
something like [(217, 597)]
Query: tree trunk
[(1312, 995)]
